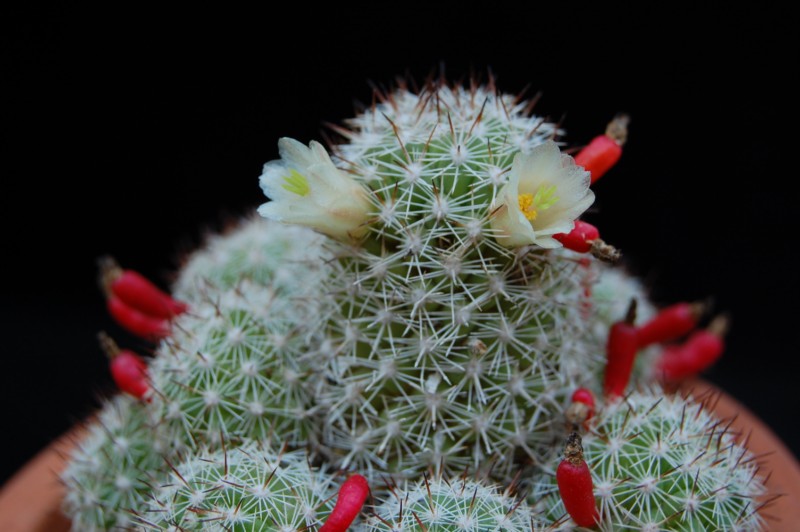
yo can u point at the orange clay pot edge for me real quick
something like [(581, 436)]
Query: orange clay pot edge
[(31, 500)]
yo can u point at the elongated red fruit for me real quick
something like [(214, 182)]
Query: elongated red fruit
[(599, 156), (136, 322), (352, 496), (575, 484), (604, 151), (128, 369), (671, 323), (137, 291), (623, 343), (585, 238), (696, 354)]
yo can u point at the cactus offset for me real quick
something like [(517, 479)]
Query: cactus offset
[(247, 488), (664, 463), (456, 504), (286, 257), (239, 366), (113, 468)]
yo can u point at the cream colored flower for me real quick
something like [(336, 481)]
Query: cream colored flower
[(307, 189), (545, 193)]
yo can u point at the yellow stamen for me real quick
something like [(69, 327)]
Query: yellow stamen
[(531, 204), (526, 206)]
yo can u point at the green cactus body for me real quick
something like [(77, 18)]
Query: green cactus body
[(448, 348), (454, 505), (287, 258), (246, 489), (113, 468), (238, 366), (660, 462)]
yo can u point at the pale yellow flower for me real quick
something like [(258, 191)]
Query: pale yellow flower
[(307, 189), (545, 193)]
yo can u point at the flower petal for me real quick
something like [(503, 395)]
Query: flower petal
[(547, 242), (307, 189), (295, 154), (560, 191), (273, 181), (511, 227), (537, 166)]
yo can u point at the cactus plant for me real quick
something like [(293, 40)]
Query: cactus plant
[(250, 487), (664, 463), (440, 329), (414, 311), (286, 257), (460, 503), (238, 366), (113, 468)]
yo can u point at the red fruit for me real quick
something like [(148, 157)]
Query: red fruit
[(575, 484), (621, 351), (130, 373), (580, 238), (352, 496), (671, 323), (581, 410), (599, 156), (586, 397), (136, 322), (605, 150), (128, 369), (138, 292), (696, 354), (135, 290), (585, 238)]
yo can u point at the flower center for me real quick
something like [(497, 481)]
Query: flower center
[(296, 183), (543, 199), (526, 206)]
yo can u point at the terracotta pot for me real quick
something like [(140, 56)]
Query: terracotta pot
[(31, 500)]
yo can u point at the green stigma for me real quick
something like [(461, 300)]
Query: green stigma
[(545, 197), (296, 183)]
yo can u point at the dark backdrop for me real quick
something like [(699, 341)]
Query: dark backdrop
[(131, 135)]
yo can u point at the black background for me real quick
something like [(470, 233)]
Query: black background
[(133, 134)]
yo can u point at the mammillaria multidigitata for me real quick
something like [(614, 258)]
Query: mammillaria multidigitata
[(422, 318)]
